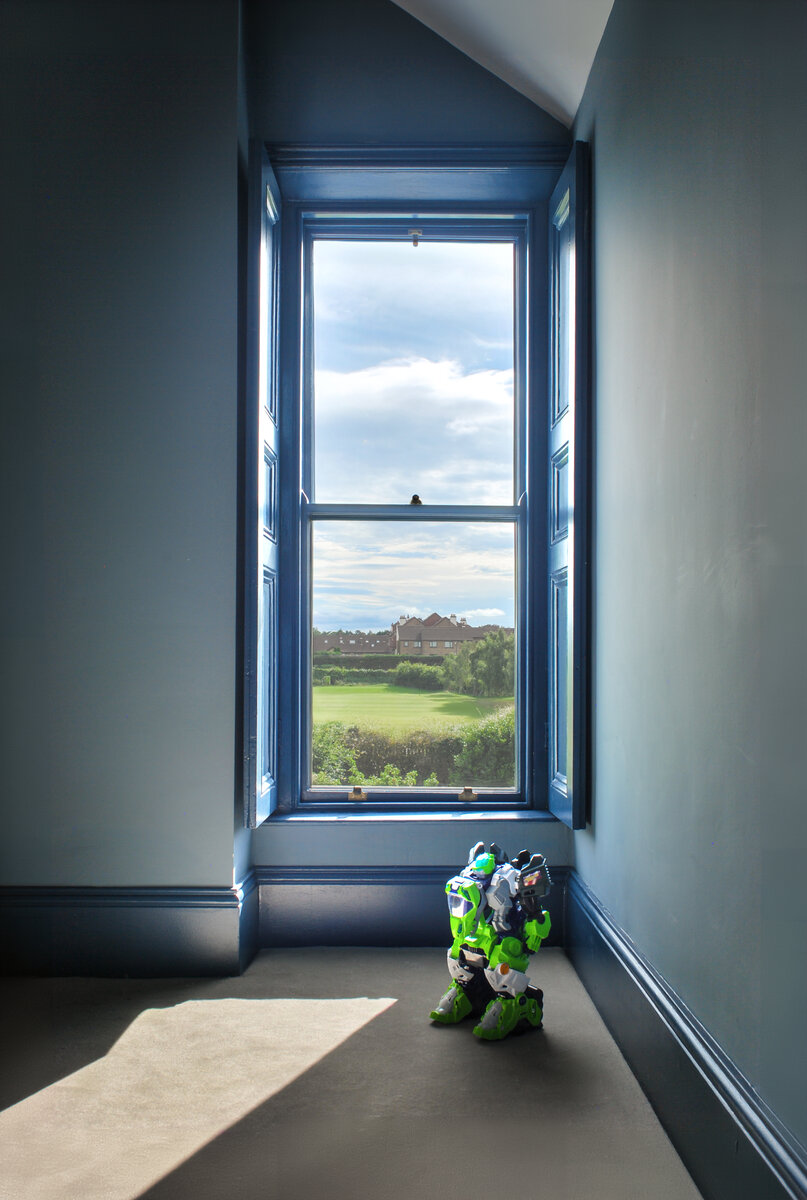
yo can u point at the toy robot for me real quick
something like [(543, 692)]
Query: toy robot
[(497, 921)]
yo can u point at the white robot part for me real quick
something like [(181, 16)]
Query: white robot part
[(491, 1017), (505, 981), (499, 896), (457, 972)]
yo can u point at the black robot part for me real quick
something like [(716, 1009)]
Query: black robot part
[(534, 882), (478, 990)]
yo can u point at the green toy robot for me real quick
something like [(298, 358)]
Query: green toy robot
[(497, 921)]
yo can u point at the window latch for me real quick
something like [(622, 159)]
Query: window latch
[(415, 234)]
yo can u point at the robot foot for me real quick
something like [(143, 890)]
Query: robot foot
[(453, 1007), (504, 1013)]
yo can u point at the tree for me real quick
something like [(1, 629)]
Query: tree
[(493, 663), (457, 670), (485, 668)]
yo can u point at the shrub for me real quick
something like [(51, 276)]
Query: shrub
[(487, 755), (345, 755), (421, 750), (481, 754), (391, 776), (418, 675), (333, 758)]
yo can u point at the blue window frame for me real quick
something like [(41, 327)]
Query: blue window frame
[(569, 454), (512, 230), (474, 195), (260, 546)]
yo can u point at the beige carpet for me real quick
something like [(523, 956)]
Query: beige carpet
[(174, 1080), (288, 1083)]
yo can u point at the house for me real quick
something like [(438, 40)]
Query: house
[(435, 634), (352, 641), (123, 358)]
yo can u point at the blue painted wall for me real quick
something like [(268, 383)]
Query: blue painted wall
[(365, 71), (696, 113), (119, 458)]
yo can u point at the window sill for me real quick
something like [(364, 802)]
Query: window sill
[(407, 818)]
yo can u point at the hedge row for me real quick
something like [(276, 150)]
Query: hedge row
[(388, 662), (417, 675), (481, 754), (323, 676)]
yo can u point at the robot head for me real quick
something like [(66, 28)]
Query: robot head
[(483, 866), (482, 862)]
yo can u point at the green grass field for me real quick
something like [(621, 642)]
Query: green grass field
[(394, 709)]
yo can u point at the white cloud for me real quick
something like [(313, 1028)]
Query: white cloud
[(367, 574), (450, 289), (414, 425)]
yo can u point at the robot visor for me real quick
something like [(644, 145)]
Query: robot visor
[(458, 905)]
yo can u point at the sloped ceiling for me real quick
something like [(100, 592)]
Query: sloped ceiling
[(542, 48)]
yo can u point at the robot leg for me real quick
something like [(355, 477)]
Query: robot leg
[(515, 1001), (468, 993)]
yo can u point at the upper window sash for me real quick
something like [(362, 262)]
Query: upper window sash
[(510, 228)]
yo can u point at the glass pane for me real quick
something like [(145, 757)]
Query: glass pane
[(389, 707), (559, 640), (267, 654), (564, 314), (413, 372)]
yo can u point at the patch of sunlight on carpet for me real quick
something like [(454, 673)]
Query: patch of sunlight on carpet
[(173, 1081)]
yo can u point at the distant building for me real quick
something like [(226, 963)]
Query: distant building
[(436, 634), (409, 635), (350, 642)]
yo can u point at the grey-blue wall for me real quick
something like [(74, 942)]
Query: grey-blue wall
[(119, 461), (696, 112), (364, 72)]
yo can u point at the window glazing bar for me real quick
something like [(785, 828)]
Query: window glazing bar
[(411, 512)]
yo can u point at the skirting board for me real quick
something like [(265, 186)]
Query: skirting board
[(139, 932), (732, 1144), (152, 932), (367, 906)]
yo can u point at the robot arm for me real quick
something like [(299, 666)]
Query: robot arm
[(533, 885), (535, 931)]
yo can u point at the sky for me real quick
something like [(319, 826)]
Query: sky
[(413, 352)]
